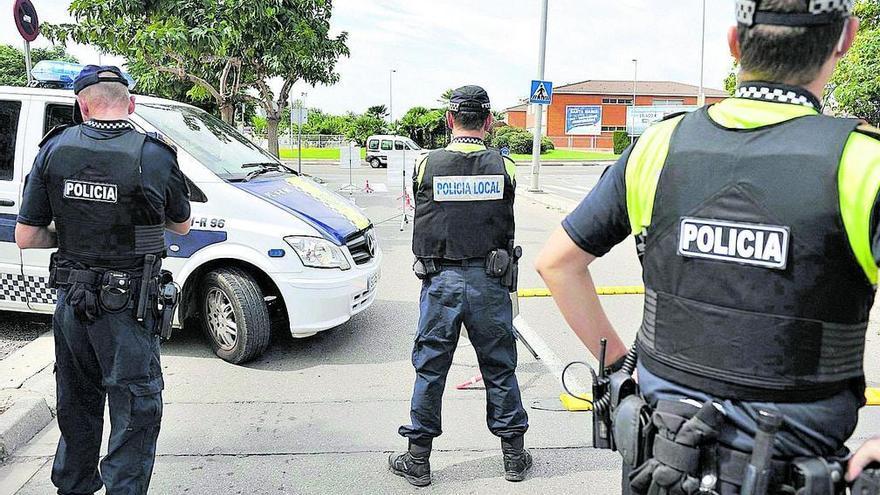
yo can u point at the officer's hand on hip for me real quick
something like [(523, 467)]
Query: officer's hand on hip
[(869, 452)]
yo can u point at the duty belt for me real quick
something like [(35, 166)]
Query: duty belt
[(466, 263)]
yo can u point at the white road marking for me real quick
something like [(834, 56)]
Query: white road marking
[(579, 192), (548, 358)]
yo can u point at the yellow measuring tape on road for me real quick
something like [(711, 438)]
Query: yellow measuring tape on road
[(622, 290), (576, 404)]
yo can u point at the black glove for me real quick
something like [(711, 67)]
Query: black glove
[(84, 301)]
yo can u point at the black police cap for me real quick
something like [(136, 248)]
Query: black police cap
[(469, 98), (92, 74)]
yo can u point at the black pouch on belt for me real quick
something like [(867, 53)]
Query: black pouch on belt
[(633, 430), (424, 268), (497, 263), (115, 295)]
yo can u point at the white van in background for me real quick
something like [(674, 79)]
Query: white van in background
[(379, 146)]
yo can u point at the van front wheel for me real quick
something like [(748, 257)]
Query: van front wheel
[(234, 315), (375, 163)]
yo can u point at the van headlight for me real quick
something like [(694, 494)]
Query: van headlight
[(318, 253)]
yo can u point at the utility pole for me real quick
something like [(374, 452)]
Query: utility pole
[(391, 95), (632, 131), (539, 109), (701, 99), (301, 121)]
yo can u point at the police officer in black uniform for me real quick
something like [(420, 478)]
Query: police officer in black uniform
[(111, 192), (463, 242), (756, 222)]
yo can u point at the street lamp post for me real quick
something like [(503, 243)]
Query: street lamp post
[(701, 99), (539, 110), (301, 121), (632, 131), (391, 95)]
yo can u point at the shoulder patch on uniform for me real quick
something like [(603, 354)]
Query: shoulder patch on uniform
[(160, 139), (869, 130), (54, 132)]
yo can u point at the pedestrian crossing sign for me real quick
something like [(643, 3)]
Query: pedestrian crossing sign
[(541, 93)]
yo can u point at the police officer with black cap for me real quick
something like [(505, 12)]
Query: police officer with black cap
[(756, 222), (111, 192), (463, 242)]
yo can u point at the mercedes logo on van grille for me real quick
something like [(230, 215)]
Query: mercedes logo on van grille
[(370, 238)]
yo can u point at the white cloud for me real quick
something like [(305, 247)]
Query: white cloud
[(436, 45)]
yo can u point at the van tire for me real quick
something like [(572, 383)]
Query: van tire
[(235, 289), (375, 163)]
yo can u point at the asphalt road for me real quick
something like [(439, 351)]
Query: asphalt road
[(320, 415)]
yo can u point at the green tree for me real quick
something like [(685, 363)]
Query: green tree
[(732, 79), (857, 79), (222, 48), (380, 111), (363, 126), (12, 66)]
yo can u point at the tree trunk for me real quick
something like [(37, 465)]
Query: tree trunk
[(227, 112), (272, 134)]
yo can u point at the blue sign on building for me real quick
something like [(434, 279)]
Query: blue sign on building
[(541, 93)]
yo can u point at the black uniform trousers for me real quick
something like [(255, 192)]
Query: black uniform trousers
[(113, 359), (456, 296)]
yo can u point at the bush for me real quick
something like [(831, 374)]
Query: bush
[(519, 141), (621, 141)]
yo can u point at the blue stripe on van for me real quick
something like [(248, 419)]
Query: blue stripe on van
[(191, 243), (7, 227)]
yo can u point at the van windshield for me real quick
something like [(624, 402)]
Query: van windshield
[(214, 143)]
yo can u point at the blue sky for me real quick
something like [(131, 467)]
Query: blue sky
[(439, 44)]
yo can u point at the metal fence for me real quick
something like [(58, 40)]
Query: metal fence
[(312, 140)]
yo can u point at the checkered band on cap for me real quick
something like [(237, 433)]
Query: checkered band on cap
[(777, 95), (826, 6), (745, 11)]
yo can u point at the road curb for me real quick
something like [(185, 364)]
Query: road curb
[(28, 416)]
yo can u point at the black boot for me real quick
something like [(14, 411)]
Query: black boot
[(517, 460), (414, 464)]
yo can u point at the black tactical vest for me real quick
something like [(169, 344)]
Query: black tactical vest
[(753, 292), (102, 215), (455, 218)]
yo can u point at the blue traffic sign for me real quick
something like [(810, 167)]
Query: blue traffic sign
[(541, 93)]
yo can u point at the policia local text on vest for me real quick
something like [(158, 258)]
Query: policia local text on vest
[(753, 220)]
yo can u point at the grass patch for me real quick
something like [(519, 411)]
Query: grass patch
[(569, 155), (315, 153)]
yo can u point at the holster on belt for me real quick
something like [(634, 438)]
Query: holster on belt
[(424, 268)]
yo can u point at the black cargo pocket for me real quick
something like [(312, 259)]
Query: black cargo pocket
[(146, 404)]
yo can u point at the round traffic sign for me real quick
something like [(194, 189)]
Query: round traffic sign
[(26, 19)]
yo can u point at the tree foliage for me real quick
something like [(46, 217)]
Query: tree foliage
[(221, 48), (857, 79), (732, 79), (12, 65)]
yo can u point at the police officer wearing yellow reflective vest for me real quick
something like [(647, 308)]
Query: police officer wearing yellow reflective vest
[(111, 192), (463, 242), (756, 222)]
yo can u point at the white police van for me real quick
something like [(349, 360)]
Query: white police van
[(266, 246)]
